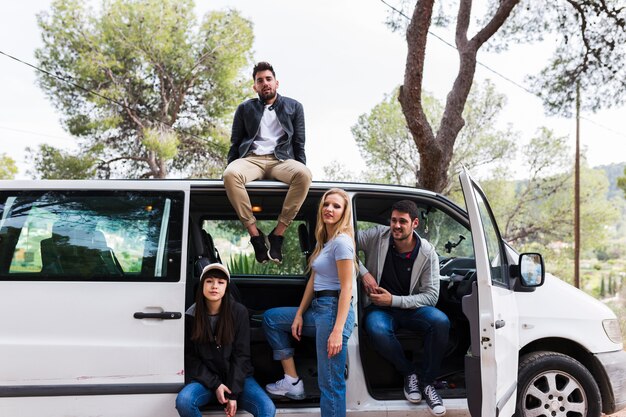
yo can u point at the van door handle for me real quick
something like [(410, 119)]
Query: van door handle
[(165, 315), (500, 324)]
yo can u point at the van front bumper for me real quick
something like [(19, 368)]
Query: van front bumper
[(614, 365)]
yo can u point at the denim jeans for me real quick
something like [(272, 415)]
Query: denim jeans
[(318, 322), (381, 324), (253, 399)]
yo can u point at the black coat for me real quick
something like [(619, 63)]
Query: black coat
[(246, 123), (212, 365)]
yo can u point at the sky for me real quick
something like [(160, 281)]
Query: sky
[(338, 59)]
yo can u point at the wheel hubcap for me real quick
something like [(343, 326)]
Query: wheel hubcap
[(554, 394)]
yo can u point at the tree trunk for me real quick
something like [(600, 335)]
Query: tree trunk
[(436, 150)]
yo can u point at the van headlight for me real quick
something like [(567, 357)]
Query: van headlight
[(611, 327)]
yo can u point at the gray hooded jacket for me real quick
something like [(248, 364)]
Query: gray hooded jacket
[(424, 276)]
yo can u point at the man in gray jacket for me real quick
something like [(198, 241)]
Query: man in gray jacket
[(267, 142), (403, 292)]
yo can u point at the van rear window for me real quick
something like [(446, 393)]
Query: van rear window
[(90, 235)]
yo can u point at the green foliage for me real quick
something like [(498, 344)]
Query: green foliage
[(602, 290), (232, 231), (387, 145), (535, 208), (335, 171), (172, 81), (51, 163), (542, 210), (246, 264), (163, 143), (621, 183), (8, 169)]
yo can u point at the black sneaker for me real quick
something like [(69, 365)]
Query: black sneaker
[(275, 243), (260, 247), (435, 404), (412, 389)]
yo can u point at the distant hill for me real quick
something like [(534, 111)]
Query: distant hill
[(613, 171)]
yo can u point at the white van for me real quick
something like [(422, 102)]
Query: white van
[(95, 277)]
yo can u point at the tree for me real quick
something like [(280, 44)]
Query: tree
[(591, 45), (545, 224), (8, 169), (384, 139), (539, 210), (335, 171), (602, 290), (51, 163), (144, 86), (621, 182), (520, 205)]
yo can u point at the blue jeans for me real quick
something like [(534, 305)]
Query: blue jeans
[(318, 322), (381, 324), (253, 399)]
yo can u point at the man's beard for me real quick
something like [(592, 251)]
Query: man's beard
[(402, 235), (267, 96)]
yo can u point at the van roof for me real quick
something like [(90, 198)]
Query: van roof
[(203, 183)]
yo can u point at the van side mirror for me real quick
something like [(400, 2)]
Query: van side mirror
[(531, 270)]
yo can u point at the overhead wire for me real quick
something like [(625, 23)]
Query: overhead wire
[(30, 132), (95, 93)]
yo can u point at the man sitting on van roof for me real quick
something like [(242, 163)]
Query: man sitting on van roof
[(403, 295), (267, 141)]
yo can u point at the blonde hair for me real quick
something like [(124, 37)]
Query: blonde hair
[(344, 225)]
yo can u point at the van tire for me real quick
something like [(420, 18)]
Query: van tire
[(538, 368)]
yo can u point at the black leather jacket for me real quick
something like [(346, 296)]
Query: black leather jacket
[(246, 125), (212, 365)]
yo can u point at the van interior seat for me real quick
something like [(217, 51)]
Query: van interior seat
[(203, 254), (77, 249), (107, 255), (209, 250)]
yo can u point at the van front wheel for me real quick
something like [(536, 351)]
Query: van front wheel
[(553, 384)]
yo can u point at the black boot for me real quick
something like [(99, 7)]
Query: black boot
[(276, 243), (259, 243)]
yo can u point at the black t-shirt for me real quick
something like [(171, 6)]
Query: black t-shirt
[(397, 269)]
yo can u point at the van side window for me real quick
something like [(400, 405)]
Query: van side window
[(90, 235), (442, 231), (232, 242), (495, 249), (436, 226)]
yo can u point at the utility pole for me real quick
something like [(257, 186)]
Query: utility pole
[(577, 193)]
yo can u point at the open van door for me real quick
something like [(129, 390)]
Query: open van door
[(496, 346), (92, 291)]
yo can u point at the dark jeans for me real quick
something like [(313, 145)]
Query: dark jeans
[(381, 324), (253, 399)]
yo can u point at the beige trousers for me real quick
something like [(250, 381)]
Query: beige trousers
[(255, 167)]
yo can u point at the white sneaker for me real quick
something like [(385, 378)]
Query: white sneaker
[(284, 388)]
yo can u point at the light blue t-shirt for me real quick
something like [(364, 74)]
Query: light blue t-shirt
[(325, 265)]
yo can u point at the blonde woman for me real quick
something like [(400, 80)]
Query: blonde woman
[(325, 311)]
